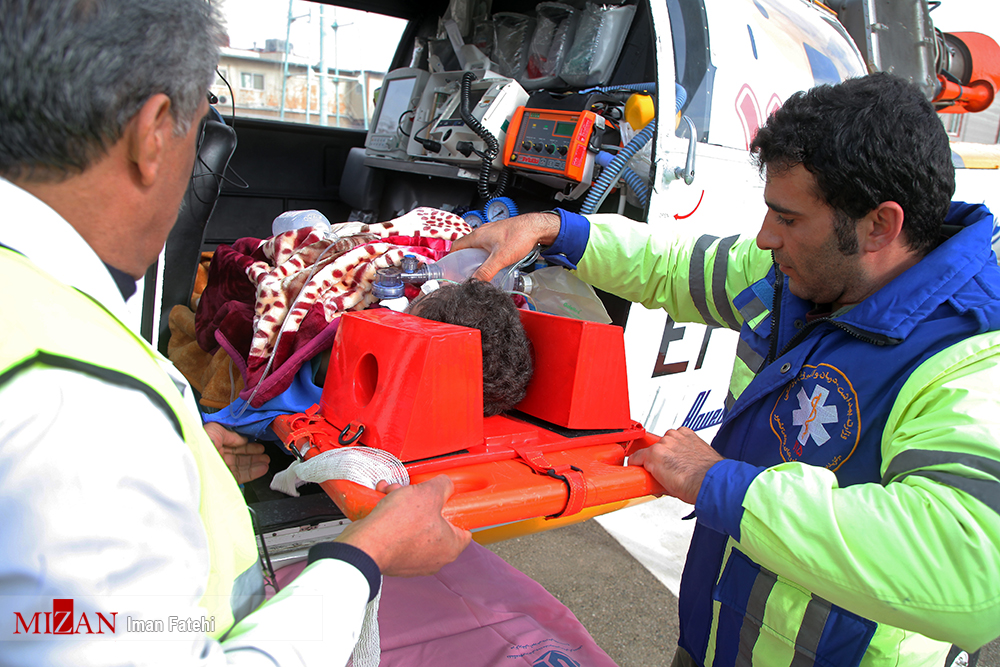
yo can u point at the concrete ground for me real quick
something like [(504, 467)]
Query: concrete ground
[(630, 613)]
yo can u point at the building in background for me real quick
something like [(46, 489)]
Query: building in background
[(979, 128), (335, 98)]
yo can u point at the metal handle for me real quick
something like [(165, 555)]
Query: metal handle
[(686, 173)]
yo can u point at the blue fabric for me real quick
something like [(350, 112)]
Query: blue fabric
[(764, 292), (720, 499), (568, 248), (825, 401), (255, 423), (126, 283), (845, 639)]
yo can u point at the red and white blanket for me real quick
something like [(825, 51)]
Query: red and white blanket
[(273, 304)]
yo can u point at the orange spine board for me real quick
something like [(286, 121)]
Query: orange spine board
[(490, 494)]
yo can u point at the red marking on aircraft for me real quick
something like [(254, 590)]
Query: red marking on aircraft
[(688, 215), (773, 105), (748, 111)]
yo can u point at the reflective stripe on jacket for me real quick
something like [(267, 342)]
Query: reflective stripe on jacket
[(58, 326)]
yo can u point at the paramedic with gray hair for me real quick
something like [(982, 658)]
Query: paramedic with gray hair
[(119, 519)]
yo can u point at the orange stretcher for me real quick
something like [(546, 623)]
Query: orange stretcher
[(413, 387)]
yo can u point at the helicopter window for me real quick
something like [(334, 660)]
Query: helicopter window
[(692, 59)]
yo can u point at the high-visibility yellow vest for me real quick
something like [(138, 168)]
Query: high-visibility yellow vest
[(61, 327)]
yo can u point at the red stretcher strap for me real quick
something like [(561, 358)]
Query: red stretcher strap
[(570, 474)]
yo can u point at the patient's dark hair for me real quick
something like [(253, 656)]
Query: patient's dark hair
[(507, 363)]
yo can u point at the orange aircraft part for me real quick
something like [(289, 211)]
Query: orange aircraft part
[(984, 81)]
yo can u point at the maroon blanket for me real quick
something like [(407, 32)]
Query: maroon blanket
[(275, 303)]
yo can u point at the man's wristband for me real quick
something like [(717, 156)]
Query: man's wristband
[(353, 556), (571, 242)]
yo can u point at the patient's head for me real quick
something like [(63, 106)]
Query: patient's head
[(507, 364)]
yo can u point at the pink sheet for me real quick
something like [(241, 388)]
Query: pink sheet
[(477, 611)]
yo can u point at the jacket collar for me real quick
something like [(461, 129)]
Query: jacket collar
[(32, 228), (898, 307)]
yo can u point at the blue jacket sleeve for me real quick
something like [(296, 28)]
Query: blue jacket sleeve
[(568, 248), (720, 498)]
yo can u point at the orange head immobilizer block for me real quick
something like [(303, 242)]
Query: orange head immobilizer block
[(416, 385), (579, 379)]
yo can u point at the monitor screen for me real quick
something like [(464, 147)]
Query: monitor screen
[(395, 97), (564, 129)]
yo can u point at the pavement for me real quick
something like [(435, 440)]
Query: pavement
[(630, 611)]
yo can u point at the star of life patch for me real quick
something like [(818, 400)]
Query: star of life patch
[(816, 419)]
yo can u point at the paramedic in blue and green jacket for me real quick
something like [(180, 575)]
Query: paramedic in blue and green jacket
[(847, 509)]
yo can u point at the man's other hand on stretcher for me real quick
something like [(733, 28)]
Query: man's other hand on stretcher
[(246, 460)]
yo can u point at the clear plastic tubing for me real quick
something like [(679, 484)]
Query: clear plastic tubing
[(459, 267)]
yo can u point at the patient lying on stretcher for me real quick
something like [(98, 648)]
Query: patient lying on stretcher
[(507, 358), (269, 310)]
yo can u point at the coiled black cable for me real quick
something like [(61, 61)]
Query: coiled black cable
[(492, 146)]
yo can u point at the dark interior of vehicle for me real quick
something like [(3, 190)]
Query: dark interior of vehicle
[(288, 168), (251, 170)]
